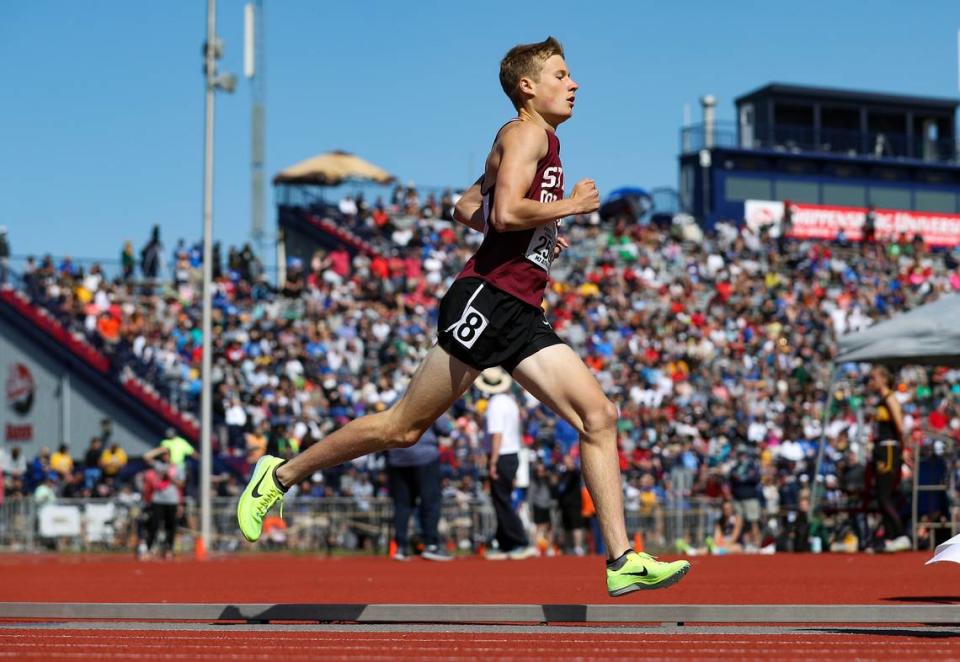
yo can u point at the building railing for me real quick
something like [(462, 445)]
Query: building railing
[(837, 142)]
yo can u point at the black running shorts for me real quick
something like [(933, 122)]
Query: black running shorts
[(485, 327)]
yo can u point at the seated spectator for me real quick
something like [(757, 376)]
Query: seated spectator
[(91, 462), (61, 462), (113, 460)]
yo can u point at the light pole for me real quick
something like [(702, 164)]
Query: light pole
[(212, 51)]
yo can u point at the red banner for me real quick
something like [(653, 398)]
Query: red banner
[(827, 222)]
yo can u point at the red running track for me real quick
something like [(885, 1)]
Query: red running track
[(270, 578), (292, 646), (274, 578)]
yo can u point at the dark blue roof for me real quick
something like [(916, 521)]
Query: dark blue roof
[(835, 94)]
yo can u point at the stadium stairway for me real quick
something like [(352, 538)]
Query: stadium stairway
[(322, 227), (74, 351)]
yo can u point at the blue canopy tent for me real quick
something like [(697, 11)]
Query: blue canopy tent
[(632, 202)]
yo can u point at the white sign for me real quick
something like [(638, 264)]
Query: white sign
[(760, 213), (59, 521)]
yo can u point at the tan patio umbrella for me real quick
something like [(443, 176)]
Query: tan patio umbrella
[(332, 168)]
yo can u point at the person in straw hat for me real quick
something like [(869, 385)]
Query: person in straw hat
[(503, 434), (491, 316)]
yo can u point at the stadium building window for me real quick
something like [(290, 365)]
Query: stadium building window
[(747, 188), (890, 198), (844, 195), (935, 201), (797, 191)]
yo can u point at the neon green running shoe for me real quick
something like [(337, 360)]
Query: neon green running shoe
[(641, 572), (260, 494)]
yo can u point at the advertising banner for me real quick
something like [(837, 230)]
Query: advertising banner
[(829, 222)]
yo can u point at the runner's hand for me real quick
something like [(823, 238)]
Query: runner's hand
[(562, 244), (585, 192), (493, 470)]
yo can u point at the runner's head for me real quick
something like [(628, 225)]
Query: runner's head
[(536, 78)]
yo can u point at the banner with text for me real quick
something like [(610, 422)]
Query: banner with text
[(828, 222)]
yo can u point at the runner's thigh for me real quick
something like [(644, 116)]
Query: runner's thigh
[(557, 377), (439, 382)]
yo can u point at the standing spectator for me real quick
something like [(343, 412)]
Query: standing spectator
[(503, 431), (414, 475), (127, 261), (888, 458), (257, 443), (14, 464), (744, 486), (236, 420), (570, 500), (180, 449), (4, 255), (45, 493), (786, 227), (150, 255), (869, 226), (165, 480), (61, 462), (541, 502)]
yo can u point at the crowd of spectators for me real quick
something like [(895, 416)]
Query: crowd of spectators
[(717, 352)]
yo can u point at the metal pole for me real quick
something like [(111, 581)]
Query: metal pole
[(205, 394), (823, 442)]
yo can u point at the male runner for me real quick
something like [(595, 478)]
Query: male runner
[(491, 316)]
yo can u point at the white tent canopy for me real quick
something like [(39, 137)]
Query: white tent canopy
[(928, 335)]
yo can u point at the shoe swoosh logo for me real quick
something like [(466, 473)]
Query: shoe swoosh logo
[(256, 489), (638, 574)]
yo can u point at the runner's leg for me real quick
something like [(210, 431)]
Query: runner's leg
[(439, 382), (557, 377)]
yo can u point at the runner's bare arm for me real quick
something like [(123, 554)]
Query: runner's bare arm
[(469, 208), (521, 147)]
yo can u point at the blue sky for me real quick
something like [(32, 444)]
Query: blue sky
[(101, 128)]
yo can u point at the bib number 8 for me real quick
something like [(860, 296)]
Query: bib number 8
[(470, 326)]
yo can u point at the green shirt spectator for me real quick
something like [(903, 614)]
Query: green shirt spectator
[(180, 449)]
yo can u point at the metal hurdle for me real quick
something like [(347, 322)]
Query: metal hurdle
[(492, 613)]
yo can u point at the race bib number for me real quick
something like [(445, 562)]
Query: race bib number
[(540, 250), (469, 327)]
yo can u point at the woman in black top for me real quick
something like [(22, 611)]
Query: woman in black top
[(888, 457)]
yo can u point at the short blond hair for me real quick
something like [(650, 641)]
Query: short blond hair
[(525, 61)]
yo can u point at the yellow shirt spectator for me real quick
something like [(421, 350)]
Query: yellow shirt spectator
[(112, 460), (61, 462)]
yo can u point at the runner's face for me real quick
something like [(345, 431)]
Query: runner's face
[(555, 91)]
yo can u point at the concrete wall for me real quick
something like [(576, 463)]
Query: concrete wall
[(66, 406)]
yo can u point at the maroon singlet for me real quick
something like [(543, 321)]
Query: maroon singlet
[(518, 263)]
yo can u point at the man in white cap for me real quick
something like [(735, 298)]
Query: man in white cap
[(503, 432)]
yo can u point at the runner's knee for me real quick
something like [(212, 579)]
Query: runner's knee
[(398, 434), (599, 419)]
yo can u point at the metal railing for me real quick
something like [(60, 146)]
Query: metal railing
[(309, 523), (344, 525), (804, 139)]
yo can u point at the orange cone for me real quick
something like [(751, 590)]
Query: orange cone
[(481, 550), (638, 542), (200, 550), (392, 551)]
